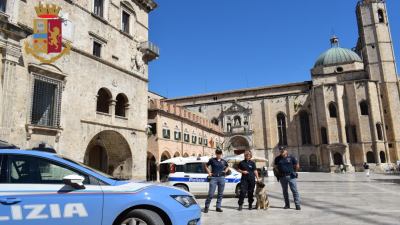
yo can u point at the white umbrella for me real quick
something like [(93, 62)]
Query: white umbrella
[(238, 158)]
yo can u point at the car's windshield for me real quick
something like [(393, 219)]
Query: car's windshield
[(90, 168)]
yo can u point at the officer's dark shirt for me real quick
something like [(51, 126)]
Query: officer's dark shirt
[(217, 167), (248, 166), (286, 165)]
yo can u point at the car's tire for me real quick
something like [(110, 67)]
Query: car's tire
[(237, 190), (141, 217), (182, 186)]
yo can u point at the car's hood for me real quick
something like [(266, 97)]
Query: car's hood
[(126, 186)]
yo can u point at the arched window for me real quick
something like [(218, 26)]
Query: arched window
[(370, 157), (332, 110), (305, 128), (121, 105), (381, 16), (364, 108), (103, 100), (215, 121), (324, 136), (379, 131), (281, 120)]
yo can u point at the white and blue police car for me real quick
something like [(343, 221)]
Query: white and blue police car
[(39, 188), (190, 175)]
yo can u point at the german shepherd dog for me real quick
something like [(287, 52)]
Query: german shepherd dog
[(262, 196)]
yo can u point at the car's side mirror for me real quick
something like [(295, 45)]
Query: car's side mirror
[(74, 181)]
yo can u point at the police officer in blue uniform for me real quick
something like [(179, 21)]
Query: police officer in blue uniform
[(248, 169), (219, 169), (287, 167)]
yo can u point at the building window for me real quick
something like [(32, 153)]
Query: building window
[(3, 5), (205, 142), (364, 108), (237, 121), (305, 128), (186, 137), (166, 133), (194, 139), (347, 130), (229, 127), (121, 105), (98, 7), (46, 102), (379, 131), (332, 110), (381, 16), (153, 128), (97, 49), (103, 101), (200, 140), (125, 22), (281, 120), (177, 135), (324, 136), (370, 157)]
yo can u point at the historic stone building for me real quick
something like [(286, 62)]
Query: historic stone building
[(347, 114), (175, 131), (90, 105)]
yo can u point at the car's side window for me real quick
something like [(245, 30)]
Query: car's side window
[(33, 170), (3, 174), (195, 168)]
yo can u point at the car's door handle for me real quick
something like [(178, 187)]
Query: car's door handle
[(9, 201), (186, 176)]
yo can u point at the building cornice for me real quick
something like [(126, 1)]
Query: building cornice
[(147, 5)]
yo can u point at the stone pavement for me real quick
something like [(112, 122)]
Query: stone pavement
[(327, 199)]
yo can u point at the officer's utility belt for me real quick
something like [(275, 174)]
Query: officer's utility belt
[(222, 174)]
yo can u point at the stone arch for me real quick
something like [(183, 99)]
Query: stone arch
[(185, 155), (239, 144), (382, 156), (109, 152), (313, 162), (104, 98), (177, 154), (370, 157), (337, 158), (303, 162), (151, 174)]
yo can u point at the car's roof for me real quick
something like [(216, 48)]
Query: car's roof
[(182, 160), (27, 152)]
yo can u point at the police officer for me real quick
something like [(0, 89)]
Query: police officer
[(287, 167), (219, 168), (248, 169)]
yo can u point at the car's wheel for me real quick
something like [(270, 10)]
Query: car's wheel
[(181, 186), (141, 217), (237, 190)]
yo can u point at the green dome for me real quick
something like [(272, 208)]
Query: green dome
[(337, 55)]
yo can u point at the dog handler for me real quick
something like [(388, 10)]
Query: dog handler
[(248, 169), (219, 168), (287, 167)]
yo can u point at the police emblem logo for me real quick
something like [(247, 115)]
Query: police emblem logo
[(47, 34)]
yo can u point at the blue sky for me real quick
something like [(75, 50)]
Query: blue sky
[(218, 45)]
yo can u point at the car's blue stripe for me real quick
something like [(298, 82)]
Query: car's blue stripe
[(188, 179)]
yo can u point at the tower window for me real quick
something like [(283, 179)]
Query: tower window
[(332, 110), (125, 22), (97, 49), (379, 131), (98, 7), (381, 16), (364, 108), (3, 4)]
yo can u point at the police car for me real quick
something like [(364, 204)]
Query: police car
[(39, 188), (190, 175)]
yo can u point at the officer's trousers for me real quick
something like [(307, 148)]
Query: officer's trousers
[(247, 185), (291, 182), (214, 183)]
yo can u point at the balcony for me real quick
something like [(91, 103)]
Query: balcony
[(150, 51)]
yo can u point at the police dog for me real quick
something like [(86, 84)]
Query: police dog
[(262, 196)]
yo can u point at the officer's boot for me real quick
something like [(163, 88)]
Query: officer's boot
[(240, 207)]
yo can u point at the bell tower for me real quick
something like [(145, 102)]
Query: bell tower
[(376, 47)]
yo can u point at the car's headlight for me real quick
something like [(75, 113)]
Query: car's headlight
[(185, 200)]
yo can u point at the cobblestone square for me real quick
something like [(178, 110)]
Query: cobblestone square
[(328, 199)]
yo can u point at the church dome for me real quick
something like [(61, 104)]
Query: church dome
[(337, 55)]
